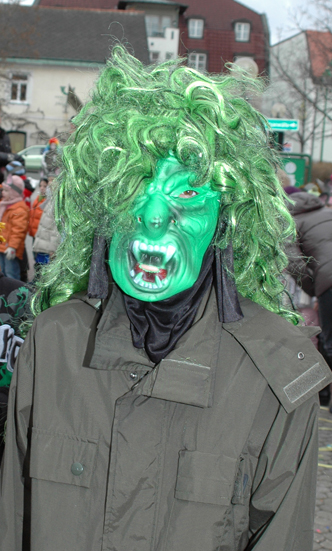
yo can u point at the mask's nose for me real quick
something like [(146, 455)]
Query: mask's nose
[(156, 216)]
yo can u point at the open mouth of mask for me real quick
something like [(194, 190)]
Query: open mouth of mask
[(151, 265)]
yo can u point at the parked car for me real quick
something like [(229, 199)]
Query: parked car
[(33, 157)]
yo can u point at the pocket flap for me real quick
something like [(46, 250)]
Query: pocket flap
[(205, 477), (61, 458)]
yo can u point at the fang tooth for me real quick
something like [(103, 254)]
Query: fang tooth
[(132, 273), (156, 248), (158, 282), (136, 248), (170, 251), (138, 278), (143, 247)]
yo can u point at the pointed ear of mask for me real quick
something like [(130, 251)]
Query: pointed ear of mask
[(98, 278), (229, 308)]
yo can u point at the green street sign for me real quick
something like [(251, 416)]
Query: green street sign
[(284, 125)]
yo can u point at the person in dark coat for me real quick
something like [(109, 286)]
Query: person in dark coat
[(310, 259), (5, 147), (158, 409)]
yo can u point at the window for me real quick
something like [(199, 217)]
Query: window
[(197, 61), (242, 32), (19, 88), (156, 24), (154, 57), (169, 55), (195, 28)]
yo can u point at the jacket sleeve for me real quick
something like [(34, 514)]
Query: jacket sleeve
[(300, 268), (19, 228), (284, 487), (13, 489)]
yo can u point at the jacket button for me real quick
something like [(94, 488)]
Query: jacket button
[(77, 469), (300, 356), (133, 375)]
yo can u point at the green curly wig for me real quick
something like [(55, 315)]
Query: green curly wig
[(136, 116)]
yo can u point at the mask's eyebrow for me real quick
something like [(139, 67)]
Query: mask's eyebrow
[(179, 179)]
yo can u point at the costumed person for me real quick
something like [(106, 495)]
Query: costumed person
[(50, 160), (14, 213), (14, 312), (158, 408)]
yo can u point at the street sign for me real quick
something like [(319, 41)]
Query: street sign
[(284, 125)]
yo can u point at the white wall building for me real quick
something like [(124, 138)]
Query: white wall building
[(162, 22), (64, 52)]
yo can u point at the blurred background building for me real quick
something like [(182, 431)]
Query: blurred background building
[(51, 52)]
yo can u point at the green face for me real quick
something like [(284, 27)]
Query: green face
[(175, 223)]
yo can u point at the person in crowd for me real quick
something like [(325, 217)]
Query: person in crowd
[(171, 403), (5, 148), (36, 210), (50, 160), (14, 213), (18, 168), (47, 237), (14, 311), (310, 259)]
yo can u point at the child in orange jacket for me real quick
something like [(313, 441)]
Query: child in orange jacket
[(14, 213)]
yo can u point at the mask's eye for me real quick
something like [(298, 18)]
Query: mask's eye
[(188, 194)]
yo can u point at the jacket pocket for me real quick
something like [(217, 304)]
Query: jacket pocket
[(205, 477), (61, 458)]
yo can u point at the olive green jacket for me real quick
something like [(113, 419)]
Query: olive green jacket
[(214, 449)]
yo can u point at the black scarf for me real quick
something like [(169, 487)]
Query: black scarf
[(157, 326)]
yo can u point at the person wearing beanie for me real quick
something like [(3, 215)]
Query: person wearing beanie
[(50, 160), (18, 169), (14, 213)]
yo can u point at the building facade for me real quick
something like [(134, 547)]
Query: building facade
[(48, 68), (209, 33)]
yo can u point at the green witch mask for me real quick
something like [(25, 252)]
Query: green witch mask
[(175, 223)]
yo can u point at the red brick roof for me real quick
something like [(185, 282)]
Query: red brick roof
[(320, 51)]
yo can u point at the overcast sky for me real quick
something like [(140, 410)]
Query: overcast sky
[(280, 16), (277, 11)]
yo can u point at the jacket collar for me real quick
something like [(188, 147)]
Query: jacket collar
[(186, 375)]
